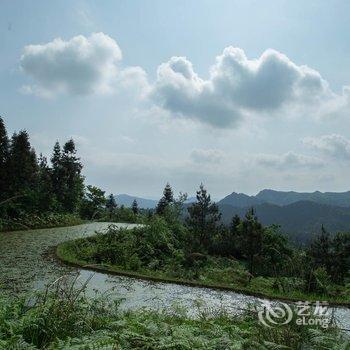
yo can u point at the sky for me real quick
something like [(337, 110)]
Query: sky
[(238, 95)]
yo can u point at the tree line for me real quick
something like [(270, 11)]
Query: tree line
[(32, 186), (266, 250), (29, 184)]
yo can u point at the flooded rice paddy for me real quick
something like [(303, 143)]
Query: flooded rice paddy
[(28, 263)]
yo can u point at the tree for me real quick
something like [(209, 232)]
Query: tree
[(73, 181), (111, 205), (340, 268), (46, 199), (275, 254), (4, 159), (23, 168), (203, 219), (320, 250), (93, 202), (135, 207), (227, 242), (166, 200), (319, 262), (57, 174), (252, 236)]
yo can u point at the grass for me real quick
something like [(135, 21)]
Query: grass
[(214, 276), (62, 317)]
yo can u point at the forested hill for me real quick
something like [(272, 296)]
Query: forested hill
[(300, 220), (340, 199)]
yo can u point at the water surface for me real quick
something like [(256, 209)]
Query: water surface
[(27, 263)]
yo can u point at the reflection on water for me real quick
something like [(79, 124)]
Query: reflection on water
[(27, 263)]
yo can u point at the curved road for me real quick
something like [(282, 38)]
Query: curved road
[(27, 263)]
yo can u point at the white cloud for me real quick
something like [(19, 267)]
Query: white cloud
[(288, 160), (79, 66), (334, 145), (239, 87), (206, 156)]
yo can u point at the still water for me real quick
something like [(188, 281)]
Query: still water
[(27, 263)]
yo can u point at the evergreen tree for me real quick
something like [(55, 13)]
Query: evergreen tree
[(57, 175), (22, 164), (111, 205), (93, 202), (320, 250), (73, 181), (135, 207), (166, 200), (46, 201), (252, 236), (340, 269), (23, 168), (4, 159), (234, 239), (203, 219)]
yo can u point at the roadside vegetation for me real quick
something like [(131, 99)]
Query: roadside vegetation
[(63, 318)]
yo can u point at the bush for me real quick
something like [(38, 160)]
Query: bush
[(35, 221)]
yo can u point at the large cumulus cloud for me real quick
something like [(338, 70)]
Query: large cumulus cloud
[(237, 87), (79, 66)]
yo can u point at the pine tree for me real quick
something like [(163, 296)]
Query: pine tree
[(234, 241), (73, 181), (111, 205), (57, 175), (93, 202), (320, 250), (166, 200), (23, 168), (4, 159), (340, 269), (252, 237), (203, 219), (46, 197), (135, 207), (22, 164)]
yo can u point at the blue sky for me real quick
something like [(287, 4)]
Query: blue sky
[(142, 116)]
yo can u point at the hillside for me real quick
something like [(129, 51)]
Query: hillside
[(126, 200), (300, 220), (340, 199)]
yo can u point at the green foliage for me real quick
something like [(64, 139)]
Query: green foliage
[(4, 161), (45, 220), (330, 254), (111, 205), (203, 221), (135, 207), (30, 186), (64, 318), (93, 203), (166, 200)]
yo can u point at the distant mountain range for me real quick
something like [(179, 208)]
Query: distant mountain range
[(126, 200), (340, 199), (299, 220), (300, 214)]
